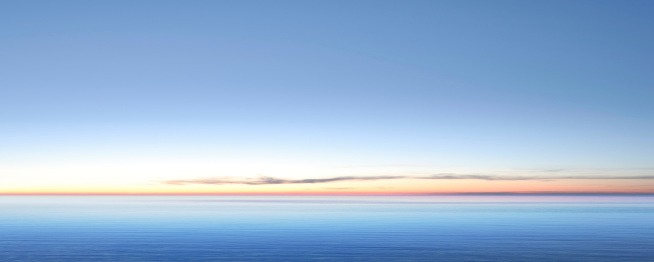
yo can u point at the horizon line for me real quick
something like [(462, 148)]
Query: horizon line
[(352, 194)]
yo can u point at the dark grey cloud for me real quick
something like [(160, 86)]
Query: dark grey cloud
[(267, 180), (508, 178)]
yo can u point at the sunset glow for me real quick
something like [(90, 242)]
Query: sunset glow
[(310, 98)]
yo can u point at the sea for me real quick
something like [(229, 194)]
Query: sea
[(327, 228)]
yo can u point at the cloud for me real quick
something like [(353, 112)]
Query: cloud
[(546, 170), (450, 176), (599, 177), (267, 180), (509, 178)]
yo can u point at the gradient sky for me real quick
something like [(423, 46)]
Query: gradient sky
[(324, 97)]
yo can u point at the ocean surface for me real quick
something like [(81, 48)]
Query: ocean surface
[(327, 228)]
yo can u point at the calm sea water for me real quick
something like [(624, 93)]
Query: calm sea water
[(327, 228)]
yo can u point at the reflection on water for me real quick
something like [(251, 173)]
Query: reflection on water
[(326, 228)]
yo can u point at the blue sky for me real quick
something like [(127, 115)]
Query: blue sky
[(430, 86)]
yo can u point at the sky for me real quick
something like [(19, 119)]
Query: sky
[(326, 97)]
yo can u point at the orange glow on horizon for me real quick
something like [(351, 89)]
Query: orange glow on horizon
[(381, 187)]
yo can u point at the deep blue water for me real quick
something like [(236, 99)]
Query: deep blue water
[(327, 228)]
